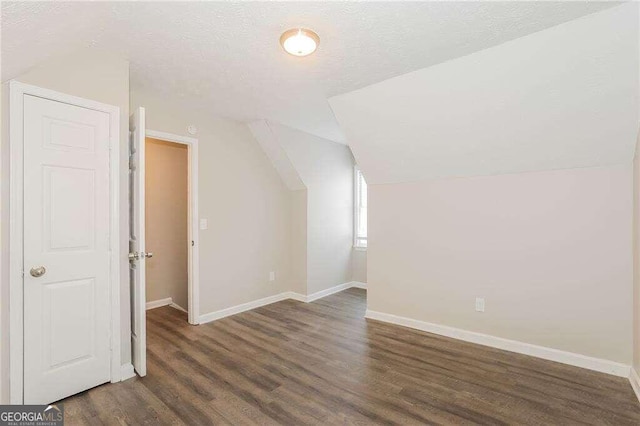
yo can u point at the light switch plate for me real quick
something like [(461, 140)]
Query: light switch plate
[(204, 224)]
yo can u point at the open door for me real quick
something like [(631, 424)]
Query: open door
[(137, 253)]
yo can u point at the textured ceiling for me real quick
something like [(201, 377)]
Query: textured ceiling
[(225, 56)]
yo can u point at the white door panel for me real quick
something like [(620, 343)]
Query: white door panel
[(137, 241), (67, 312), (70, 207)]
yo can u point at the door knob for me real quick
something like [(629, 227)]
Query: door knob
[(140, 255), (37, 272)]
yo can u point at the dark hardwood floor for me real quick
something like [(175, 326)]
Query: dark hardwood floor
[(322, 363)]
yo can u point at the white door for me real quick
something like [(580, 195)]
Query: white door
[(137, 254), (67, 305)]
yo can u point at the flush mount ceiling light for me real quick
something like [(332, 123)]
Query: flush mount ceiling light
[(299, 41)]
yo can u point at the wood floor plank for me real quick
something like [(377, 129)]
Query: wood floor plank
[(322, 363)]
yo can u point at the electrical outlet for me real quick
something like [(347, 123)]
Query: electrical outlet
[(272, 276), (480, 304)]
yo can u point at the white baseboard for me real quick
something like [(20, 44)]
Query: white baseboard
[(158, 303), (178, 307), (327, 292), (164, 302), (295, 296), (212, 316), (634, 379), (359, 284), (596, 364), (324, 293), (127, 372)]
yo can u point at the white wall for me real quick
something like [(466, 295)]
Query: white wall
[(103, 78), (549, 251), (326, 169), (247, 206)]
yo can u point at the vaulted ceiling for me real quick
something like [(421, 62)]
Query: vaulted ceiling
[(225, 56), (566, 97)]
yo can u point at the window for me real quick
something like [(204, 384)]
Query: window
[(360, 210)]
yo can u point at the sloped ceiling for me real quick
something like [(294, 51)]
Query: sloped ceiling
[(225, 56), (263, 133), (315, 159), (299, 157), (565, 97)]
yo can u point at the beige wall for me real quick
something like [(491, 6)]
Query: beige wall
[(247, 206), (326, 169), (359, 266), (4, 245), (546, 236), (167, 220), (636, 259), (299, 241), (636, 249), (103, 78), (320, 174), (549, 251)]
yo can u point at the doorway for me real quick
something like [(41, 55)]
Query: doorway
[(167, 224), (140, 258), (193, 240)]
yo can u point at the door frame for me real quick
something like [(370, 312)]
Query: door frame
[(193, 287), (17, 91)]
